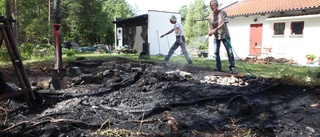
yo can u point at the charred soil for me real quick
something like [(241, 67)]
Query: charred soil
[(122, 97)]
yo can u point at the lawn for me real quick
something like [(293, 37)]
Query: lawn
[(263, 70), (301, 73)]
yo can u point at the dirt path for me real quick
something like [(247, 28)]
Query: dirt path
[(120, 97)]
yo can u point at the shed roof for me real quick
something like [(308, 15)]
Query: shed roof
[(132, 19)]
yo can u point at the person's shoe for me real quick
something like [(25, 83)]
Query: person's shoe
[(190, 62), (233, 71)]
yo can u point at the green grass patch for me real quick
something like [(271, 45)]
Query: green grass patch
[(301, 73)]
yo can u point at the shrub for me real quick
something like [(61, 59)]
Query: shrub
[(70, 53), (26, 50), (41, 50), (311, 56), (4, 55)]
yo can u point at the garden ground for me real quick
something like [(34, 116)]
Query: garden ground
[(123, 97)]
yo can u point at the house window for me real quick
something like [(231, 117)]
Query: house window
[(279, 28), (297, 28)]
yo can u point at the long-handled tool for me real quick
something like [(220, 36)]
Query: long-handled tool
[(158, 43), (59, 80)]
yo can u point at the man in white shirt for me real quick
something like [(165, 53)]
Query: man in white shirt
[(180, 40)]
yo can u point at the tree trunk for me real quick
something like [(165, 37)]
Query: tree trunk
[(49, 21), (12, 12), (8, 8)]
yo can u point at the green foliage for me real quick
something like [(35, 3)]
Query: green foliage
[(313, 76), (300, 75), (70, 53), (4, 55), (183, 10), (291, 75), (283, 70), (90, 22), (41, 50), (293, 79), (2, 7), (204, 45), (310, 56), (26, 50), (86, 21), (115, 9), (33, 21), (194, 26)]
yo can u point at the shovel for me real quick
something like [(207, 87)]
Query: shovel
[(59, 79)]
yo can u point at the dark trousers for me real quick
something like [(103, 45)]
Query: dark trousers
[(227, 44), (175, 45)]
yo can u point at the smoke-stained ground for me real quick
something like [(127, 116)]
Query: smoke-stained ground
[(121, 97)]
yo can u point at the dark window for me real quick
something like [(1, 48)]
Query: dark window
[(279, 28), (297, 28)]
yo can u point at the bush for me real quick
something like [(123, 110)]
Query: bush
[(311, 56), (70, 53), (204, 45), (26, 50), (4, 54), (41, 50)]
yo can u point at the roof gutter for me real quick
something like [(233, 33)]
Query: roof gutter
[(293, 17)]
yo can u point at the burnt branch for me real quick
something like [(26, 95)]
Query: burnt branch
[(29, 125)]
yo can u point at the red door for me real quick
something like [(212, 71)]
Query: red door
[(255, 39)]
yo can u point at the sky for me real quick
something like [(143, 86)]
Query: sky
[(161, 5), (167, 5)]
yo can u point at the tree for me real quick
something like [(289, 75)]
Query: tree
[(86, 21), (81, 20), (91, 21), (2, 7), (195, 27), (116, 9), (31, 16), (183, 10)]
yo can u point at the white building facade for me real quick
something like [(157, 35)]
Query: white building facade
[(290, 34), (145, 30)]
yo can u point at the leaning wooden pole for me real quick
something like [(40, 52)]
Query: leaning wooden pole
[(24, 84)]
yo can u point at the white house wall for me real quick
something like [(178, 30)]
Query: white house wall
[(294, 47), (138, 40), (240, 33), (159, 24), (287, 46)]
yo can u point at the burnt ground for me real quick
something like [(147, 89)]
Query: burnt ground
[(121, 97)]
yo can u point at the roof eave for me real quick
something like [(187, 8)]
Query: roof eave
[(143, 16), (273, 12)]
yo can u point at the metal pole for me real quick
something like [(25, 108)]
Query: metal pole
[(158, 42)]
